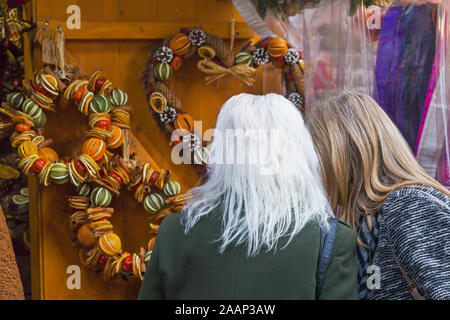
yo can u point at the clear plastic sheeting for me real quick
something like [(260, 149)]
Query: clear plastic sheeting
[(336, 46), (433, 146), (398, 55)]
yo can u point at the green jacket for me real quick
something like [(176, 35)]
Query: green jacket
[(190, 267)]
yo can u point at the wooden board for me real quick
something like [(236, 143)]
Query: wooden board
[(121, 58), (146, 30)]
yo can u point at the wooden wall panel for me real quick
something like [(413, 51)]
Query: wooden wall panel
[(122, 61)]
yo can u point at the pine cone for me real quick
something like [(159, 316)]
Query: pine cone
[(197, 37), (292, 56), (163, 54), (192, 141), (169, 94), (297, 99), (168, 116), (260, 56), (297, 72), (223, 52)]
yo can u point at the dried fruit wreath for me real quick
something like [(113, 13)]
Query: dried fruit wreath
[(98, 172), (217, 61)]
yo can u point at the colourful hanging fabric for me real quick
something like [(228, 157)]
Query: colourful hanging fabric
[(404, 62), (387, 59)]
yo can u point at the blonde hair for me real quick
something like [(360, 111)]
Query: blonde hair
[(363, 155)]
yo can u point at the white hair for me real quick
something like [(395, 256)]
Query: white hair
[(259, 208)]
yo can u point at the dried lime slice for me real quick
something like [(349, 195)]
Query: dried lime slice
[(25, 192), (19, 199), (38, 140)]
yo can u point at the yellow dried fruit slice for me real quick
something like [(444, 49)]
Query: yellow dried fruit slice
[(158, 102), (206, 52), (7, 172)]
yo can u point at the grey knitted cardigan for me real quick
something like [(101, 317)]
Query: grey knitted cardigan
[(416, 220)]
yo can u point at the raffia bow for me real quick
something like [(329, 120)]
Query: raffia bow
[(242, 72)]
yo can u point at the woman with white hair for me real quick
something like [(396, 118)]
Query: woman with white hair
[(256, 228)]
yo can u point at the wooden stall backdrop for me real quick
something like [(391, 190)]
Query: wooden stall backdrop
[(115, 37)]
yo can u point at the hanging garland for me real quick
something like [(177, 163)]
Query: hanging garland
[(217, 61), (98, 172)]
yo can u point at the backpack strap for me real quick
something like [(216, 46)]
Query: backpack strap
[(327, 238)]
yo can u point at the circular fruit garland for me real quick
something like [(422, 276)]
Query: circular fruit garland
[(218, 60), (98, 172)]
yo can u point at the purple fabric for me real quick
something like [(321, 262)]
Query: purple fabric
[(387, 59), (417, 66), (404, 63)]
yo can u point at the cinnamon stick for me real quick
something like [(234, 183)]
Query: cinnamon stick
[(45, 143), (98, 234), (170, 199), (123, 165), (101, 183), (142, 256), (95, 210), (78, 197), (128, 108), (121, 125), (78, 223), (6, 106)]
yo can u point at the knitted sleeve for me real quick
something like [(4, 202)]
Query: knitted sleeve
[(418, 228)]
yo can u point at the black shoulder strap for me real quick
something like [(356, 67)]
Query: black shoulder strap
[(327, 238)]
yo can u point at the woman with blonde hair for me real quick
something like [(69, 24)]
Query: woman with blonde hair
[(253, 229), (402, 215)]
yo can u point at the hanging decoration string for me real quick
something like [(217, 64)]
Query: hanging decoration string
[(45, 40), (40, 33), (60, 51), (232, 32)]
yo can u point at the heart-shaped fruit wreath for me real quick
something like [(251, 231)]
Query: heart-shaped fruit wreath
[(217, 60), (98, 172)]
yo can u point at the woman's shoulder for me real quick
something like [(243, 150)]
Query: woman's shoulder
[(418, 196), (171, 223), (345, 236), (171, 227), (174, 227), (415, 205)]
